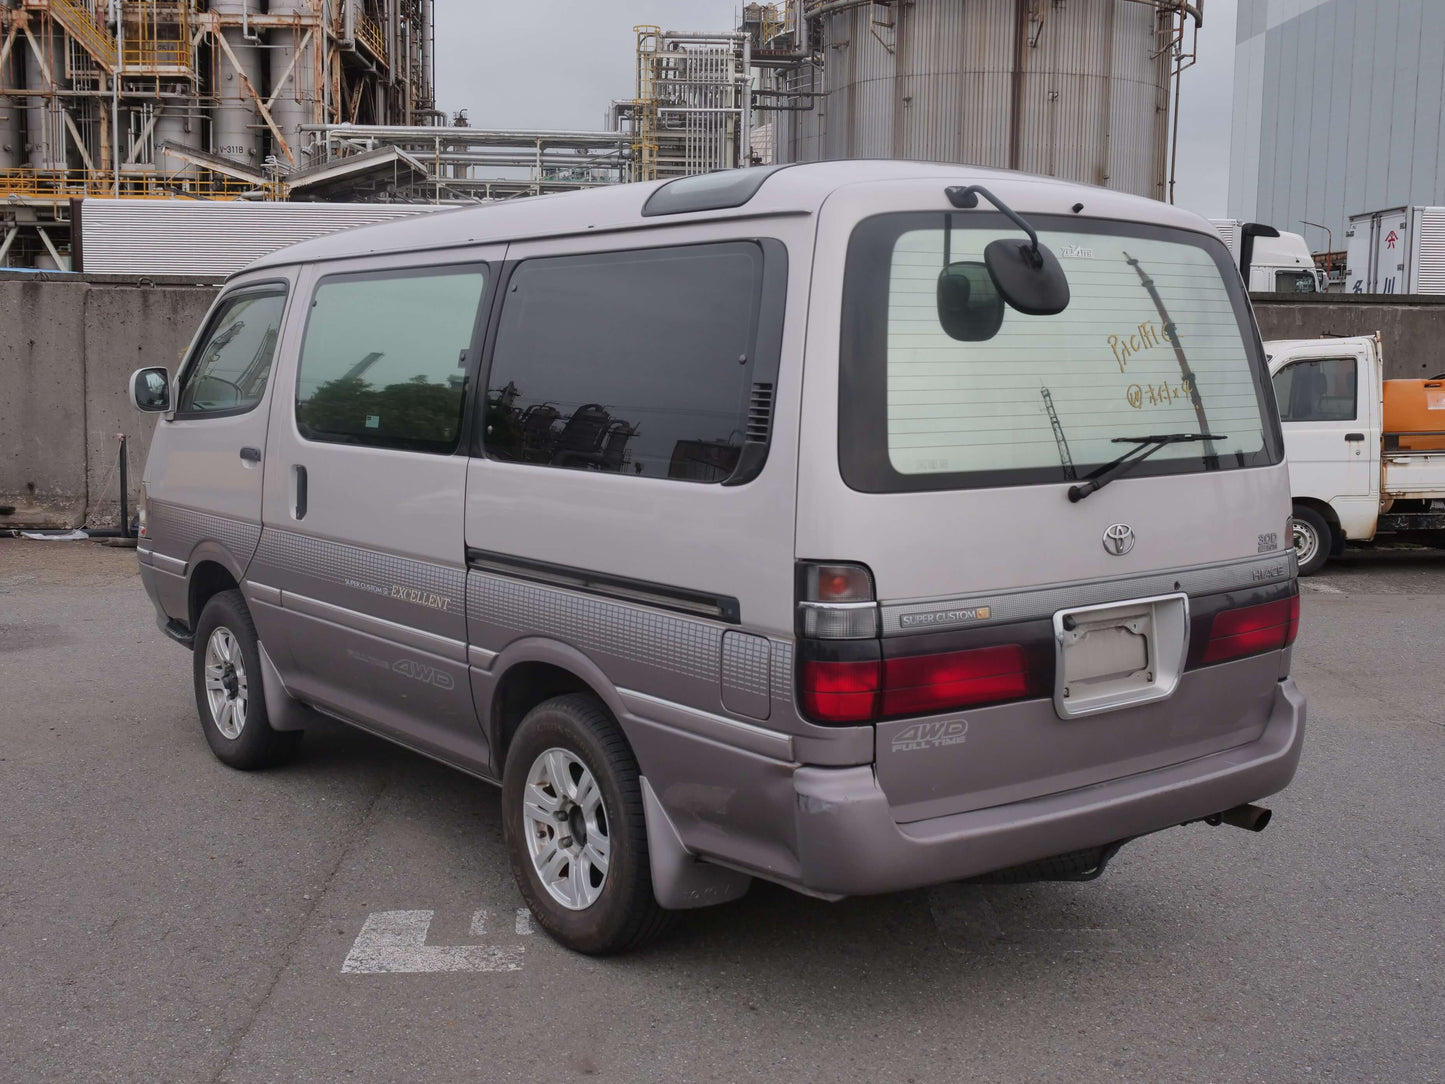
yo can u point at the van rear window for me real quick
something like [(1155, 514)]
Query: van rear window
[(935, 394)]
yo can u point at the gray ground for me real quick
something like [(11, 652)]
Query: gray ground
[(164, 918)]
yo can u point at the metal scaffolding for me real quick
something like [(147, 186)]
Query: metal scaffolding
[(692, 112), (203, 99), (439, 164)]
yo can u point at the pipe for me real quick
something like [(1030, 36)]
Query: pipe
[(836, 5), (1253, 818), (1016, 83), (124, 489), (115, 97)]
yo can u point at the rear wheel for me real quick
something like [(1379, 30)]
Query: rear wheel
[(576, 836), (1313, 539), (227, 670)]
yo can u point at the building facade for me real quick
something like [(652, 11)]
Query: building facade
[(1339, 109)]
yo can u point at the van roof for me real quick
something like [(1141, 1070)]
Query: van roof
[(798, 189)]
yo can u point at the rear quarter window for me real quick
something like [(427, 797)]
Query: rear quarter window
[(639, 363)]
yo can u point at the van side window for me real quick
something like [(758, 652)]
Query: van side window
[(628, 362), (384, 361), (1322, 390), (230, 370)]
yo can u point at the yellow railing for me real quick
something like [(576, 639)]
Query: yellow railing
[(80, 24), (144, 48), (368, 32), (80, 183)]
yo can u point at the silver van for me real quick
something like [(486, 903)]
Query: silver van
[(856, 526)]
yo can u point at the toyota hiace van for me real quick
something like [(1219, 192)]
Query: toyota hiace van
[(855, 526)]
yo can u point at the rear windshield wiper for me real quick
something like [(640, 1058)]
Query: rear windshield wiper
[(1145, 447)]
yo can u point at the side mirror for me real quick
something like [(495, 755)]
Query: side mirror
[(969, 306), (150, 390), (1028, 276)]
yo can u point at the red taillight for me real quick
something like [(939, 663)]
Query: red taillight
[(841, 692), (838, 692), (922, 683), (1271, 626)]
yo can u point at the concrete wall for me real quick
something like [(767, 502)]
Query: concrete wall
[(67, 346), (1412, 327), (69, 343)]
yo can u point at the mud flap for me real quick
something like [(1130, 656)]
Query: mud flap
[(679, 880), (283, 712)]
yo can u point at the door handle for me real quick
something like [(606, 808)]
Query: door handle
[(300, 491), (251, 455), (1354, 436)]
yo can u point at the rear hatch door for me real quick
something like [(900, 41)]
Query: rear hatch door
[(940, 452)]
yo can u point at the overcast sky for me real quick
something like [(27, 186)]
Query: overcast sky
[(558, 63)]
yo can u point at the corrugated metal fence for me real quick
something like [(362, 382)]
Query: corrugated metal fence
[(210, 239)]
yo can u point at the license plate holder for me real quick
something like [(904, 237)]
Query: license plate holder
[(1119, 654)]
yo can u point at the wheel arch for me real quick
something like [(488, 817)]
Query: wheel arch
[(211, 570), (533, 670), (1331, 517)]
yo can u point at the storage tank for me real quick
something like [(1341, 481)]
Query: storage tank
[(45, 136), (180, 125), (237, 131), (1077, 90), (12, 145), (298, 100)]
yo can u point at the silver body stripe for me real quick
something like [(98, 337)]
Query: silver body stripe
[(162, 563), (444, 646), (681, 645), (260, 592), (704, 724), (1038, 602), (358, 568), (180, 530)]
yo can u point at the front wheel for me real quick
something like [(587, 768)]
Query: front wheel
[(576, 835), (1312, 540), (229, 697)]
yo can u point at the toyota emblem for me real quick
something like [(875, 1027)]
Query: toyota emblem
[(1119, 539)]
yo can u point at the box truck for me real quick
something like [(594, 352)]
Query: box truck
[(1399, 251), (1366, 455)]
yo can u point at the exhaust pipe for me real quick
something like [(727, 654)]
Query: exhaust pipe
[(1251, 817)]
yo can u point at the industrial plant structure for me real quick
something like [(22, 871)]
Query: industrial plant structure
[(208, 99), (332, 100)]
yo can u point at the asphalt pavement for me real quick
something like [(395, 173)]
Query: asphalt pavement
[(351, 917)]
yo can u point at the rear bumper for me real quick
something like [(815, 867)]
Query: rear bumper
[(849, 844)]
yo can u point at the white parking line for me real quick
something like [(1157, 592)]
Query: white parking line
[(394, 942), (1322, 588), (524, 922)]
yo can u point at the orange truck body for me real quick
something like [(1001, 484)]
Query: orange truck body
[(1416, 407)]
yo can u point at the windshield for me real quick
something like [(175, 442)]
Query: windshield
[(1156, 339)]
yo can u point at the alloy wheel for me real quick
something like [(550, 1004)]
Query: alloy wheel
[(226, 686), (567, 832)]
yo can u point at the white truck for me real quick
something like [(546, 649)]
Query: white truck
[(1399, 251), (1366, 455), (1279, 262)]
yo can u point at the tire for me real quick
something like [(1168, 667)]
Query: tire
[(591, 907), (226, 663), (1313, 540)]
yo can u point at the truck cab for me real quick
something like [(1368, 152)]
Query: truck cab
[(1356, 471)]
